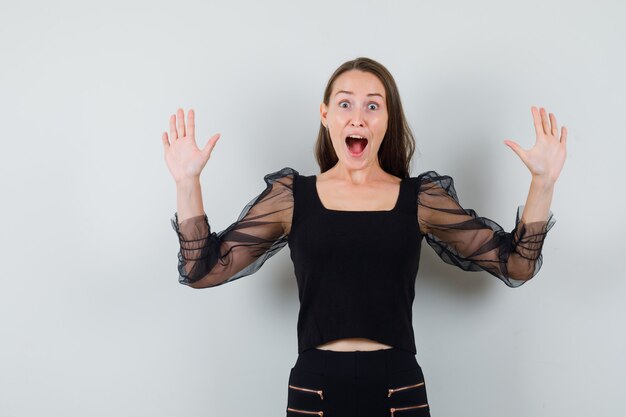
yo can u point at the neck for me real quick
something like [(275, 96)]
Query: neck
[(356, 176)]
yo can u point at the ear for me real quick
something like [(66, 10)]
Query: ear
[(323, 114)]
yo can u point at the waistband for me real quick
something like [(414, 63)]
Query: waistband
[(356, 364)]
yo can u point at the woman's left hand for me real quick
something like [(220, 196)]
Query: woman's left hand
[(546, 158)]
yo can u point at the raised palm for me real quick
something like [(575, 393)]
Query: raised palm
[(546, 158), (183, 157)]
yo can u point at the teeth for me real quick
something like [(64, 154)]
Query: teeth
[(356, 136)]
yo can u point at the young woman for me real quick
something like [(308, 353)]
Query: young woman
[(355, 232)]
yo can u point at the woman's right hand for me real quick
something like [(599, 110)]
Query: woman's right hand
[(183, 157)]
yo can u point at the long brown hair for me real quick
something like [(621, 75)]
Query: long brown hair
[(398, 145)]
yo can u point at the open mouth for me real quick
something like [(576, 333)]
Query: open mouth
[(356, 144)]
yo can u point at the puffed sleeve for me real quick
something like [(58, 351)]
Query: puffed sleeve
[(208, 259), (460, 237)]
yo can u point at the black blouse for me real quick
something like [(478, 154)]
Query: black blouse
[(427, 206)]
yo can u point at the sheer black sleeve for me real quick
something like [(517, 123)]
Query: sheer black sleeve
[(207, 259), (462, 238)]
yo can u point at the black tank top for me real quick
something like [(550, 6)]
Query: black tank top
[(355, 270)]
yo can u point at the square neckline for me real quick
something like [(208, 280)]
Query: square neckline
[(393, 209)]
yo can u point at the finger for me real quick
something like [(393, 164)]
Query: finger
[(563, 135), (166, 143), (554, 129), (191, 127), (208, 148), (173, 133), (536, 120), (181, 123), (516, 148), (544, 121)]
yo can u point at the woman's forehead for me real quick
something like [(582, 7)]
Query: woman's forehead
[(358, 83)]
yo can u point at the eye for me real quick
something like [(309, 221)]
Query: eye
[(375, 106), (342, 102)]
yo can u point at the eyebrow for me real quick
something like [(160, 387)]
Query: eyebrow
[(350, 92)]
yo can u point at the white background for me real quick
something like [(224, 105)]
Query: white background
[(93, 321)]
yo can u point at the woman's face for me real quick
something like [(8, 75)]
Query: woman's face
[(357, 106)]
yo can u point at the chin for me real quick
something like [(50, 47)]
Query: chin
[(355, 163)]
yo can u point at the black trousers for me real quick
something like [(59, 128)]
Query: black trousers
[(379, 383)]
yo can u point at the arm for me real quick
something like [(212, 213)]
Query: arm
[(185, 162), (189, 198), (207, 259), (473, 243), (544, 160), (462, 238)]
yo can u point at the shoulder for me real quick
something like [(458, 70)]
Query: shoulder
[(282, 179), (430, 179), (432, 176), (429, 176), (281, 173)]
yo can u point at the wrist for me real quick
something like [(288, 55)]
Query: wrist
[(188, 182), (543, 182)]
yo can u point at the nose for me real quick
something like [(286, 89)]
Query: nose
[(357, 119)]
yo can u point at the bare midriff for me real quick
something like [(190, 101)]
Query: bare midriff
[(353, 343)]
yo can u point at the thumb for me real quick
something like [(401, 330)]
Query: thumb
[(208, 148), (516, 148)]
